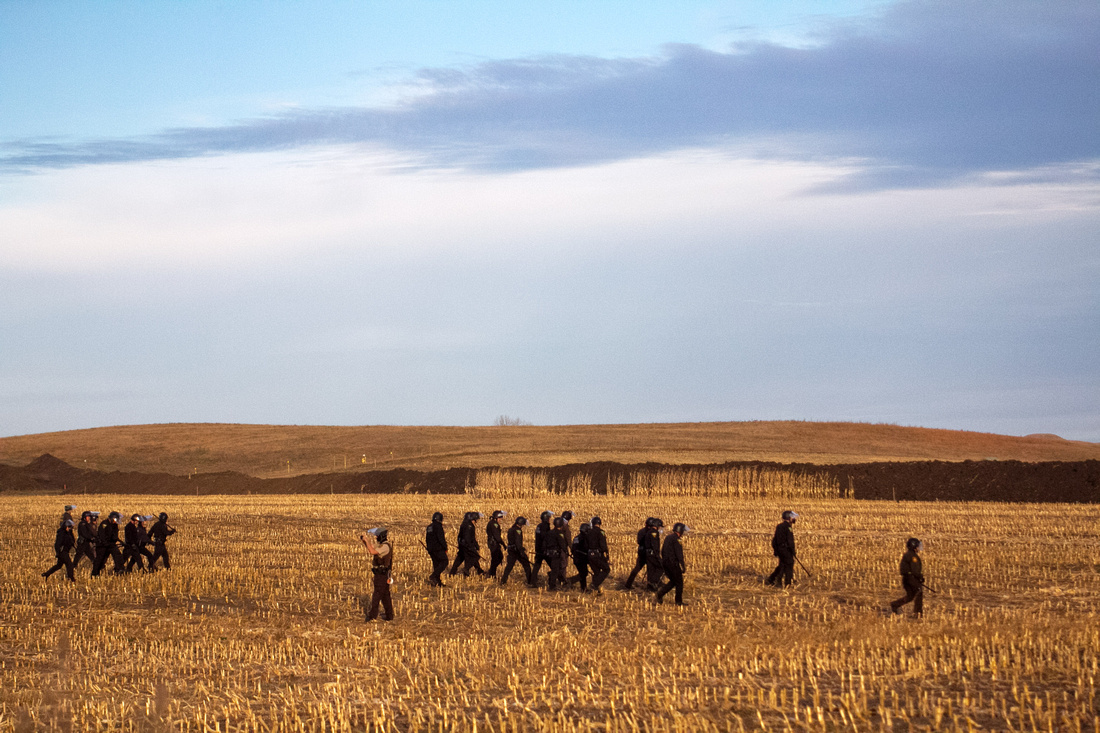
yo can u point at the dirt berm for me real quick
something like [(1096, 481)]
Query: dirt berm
[(1014, 481)]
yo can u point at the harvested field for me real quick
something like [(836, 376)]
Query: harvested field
[(259, 625)]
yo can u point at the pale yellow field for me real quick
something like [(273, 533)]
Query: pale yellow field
[(259, 625)]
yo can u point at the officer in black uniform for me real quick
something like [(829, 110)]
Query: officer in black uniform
[(641, 562), (912, 578), (783, 548), (62, 545), (460, 552), (542, 533), (471, 550), (495, 541), (137, 537), (579, 551), (672, 557), (107, 545), (568, 517), (159, 534), (516, 551), (598, 558), (435, 540), (85, 538), (557, 553), (654, 569), (68, 514)]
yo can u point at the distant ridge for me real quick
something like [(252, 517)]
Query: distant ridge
[(269, 451)]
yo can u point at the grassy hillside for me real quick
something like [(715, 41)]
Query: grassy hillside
[(265, 450)]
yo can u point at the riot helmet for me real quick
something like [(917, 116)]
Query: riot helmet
[(567, 515), (914, 544), (498, 514), (521, 521), (68, 524), (680, 528), (545, 516), (793, 516), (163, 516), (559, 522), (437, 517), (595, 521)]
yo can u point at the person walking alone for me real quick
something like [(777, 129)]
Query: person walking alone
[(378, 545), (783, 548)]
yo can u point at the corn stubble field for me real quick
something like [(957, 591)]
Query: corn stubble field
[(259, 625)]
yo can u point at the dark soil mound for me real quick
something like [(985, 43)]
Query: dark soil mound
[(1014, 481)]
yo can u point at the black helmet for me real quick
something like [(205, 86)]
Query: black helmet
[(567, 515), (521, 521), (498, 514), (163, 516), (559, 522), (437, 517), (595, 521), (649, 521), (585, 526), (70, 507), (790, 515), (382, 535), (545, 516), (680, 528), (114, 516), (657, 522), (913, 544), (474, 516), (67, 524), (86, 515)]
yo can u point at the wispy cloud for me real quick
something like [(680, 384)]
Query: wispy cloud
[(930, 92)]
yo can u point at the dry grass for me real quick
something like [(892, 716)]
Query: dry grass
[(259, 626), (265, 450)]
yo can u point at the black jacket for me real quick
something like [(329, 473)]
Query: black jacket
[(64, 541), (492, 534), (556, 543), (467, 539), (85, 533), (435, 539), (542, 531), (580, 546), (672, 555), (515, 539), (783, 542), (597, 542), (911, 567), (462, 534), (133, 535), (108, 534), (160, 532), (653, 541)]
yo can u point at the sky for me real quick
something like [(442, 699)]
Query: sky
[(438, 213)]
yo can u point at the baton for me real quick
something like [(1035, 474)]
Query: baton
[(922, 585), (808, 573)]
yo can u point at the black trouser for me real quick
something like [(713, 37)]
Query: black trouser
[(582, 572), (914, 592), (515, 556), (675, 580), (84, 549), (496, 557), (381, 596), (600, 569), (637, 568), (133, 556), (653, 571), (439, 566), (101, 555), (460, 555), (540, 558), (557, 571), (472, 561), (63, 561), (784, 569), (159, 551)]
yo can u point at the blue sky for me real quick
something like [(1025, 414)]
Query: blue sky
[(438, 213)]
